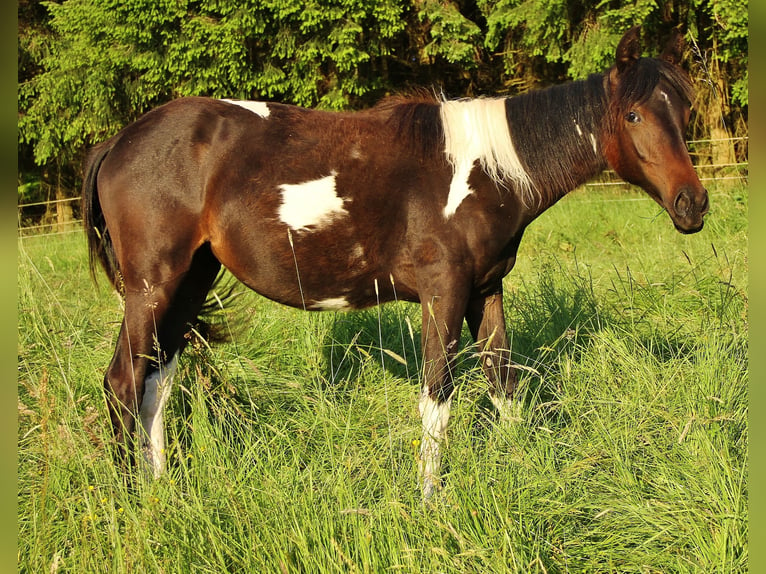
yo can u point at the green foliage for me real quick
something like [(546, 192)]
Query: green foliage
[(729, 31), (543, 26), (108, 62), (453, 36), (88, 67)]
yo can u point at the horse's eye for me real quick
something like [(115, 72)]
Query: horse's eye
[(633, 117)]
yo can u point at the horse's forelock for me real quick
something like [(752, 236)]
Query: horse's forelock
[(637, 82)]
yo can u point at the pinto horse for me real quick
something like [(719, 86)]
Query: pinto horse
[(416, 199)]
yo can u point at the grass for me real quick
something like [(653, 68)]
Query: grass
[(292, 449)]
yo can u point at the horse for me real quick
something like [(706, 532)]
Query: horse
[(420, 199)]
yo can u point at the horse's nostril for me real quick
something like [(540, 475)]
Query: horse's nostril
[(682, 203)]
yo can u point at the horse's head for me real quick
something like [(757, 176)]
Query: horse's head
[(649, 108)]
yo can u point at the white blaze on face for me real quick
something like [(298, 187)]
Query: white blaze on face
[(477, 130), (314, 202), (258, 108), (151, 430)]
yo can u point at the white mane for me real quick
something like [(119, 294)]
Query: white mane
[(478, 130)]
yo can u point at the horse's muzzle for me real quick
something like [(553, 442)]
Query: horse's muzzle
[(689, 208)]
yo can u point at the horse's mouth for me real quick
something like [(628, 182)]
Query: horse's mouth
[(689, 209), (689, 230)]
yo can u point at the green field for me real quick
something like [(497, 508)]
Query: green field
[(293, 448)]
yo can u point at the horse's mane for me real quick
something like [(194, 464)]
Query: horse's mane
[(415, 119), (460, 132), (554, 131)]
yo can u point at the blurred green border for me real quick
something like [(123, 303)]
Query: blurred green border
[(8, 261), (757, 305)]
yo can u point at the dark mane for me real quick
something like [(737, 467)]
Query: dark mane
[(416, 121), (553, 131)]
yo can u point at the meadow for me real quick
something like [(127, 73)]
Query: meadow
[(293, 448)]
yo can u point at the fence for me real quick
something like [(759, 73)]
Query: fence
[(44, 217)]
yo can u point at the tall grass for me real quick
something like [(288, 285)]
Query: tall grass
[(293, 448)]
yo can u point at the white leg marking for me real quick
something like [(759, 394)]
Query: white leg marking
[(435, 416), (478, 130), (151, 430), (509, 410), (258, 108), (312, 202)]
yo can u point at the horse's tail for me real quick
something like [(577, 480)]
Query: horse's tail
[(100, 248)]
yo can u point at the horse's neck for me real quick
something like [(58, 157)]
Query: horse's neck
[(558, 132)]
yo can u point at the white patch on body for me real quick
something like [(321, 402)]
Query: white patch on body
[(356, 259), (258, 108), (459, 188), (579, 129), (665, 97), (312, 202), (478, 130), (151, 429), (435, 416), (331, 304)]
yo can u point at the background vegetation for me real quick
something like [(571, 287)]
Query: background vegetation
[(88, 67), (291, 449)]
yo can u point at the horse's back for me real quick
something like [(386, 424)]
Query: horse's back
[(269, 187)]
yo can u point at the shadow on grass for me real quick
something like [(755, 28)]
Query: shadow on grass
[(554, 314), (550, 319)]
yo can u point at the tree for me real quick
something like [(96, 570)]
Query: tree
[(88, 67), (109, 61)]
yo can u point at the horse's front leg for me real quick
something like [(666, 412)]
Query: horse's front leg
[(442, 322), (486, 320)]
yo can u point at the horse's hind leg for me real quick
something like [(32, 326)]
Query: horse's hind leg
[(181, 315), (151, 338), (135, 352)]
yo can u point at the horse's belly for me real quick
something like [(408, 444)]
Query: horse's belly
[(314, 270), (325, 288)]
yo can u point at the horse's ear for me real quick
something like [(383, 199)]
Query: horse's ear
[(674, 48), (629, 48)]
